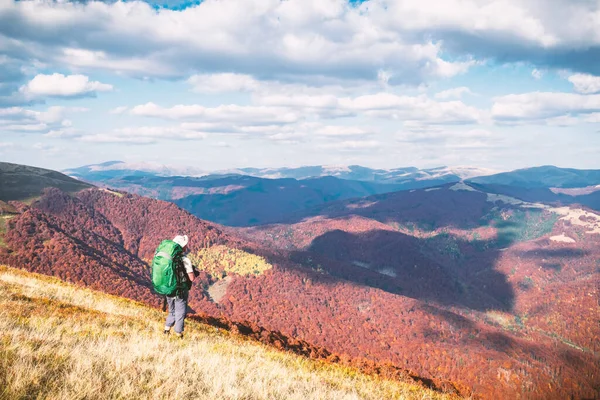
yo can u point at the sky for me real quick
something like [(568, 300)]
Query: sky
[(500, 84)]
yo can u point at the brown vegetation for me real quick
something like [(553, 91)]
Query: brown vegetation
[(315, 297)]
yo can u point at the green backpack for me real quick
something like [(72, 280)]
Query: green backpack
[(167, 268)]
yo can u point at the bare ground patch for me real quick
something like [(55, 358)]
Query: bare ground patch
[(217, 290)]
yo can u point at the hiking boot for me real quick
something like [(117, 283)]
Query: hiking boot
[(167, 331), (179, 335)]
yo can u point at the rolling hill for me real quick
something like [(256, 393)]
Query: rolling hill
[(542, 177), (467, 291), (403, 176), (560, 186), (21, 182)]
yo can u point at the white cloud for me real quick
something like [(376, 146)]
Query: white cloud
[(289, 138), (225, 113), (47, 148), (160, 131), (455, 93), (64, 133), (352, 145), (257, 37), (380, 105), (19, 119), (59, 85), (144, 135), (538, 106), (436, 134), (23, 127), (537, 74), (592, 118), (585, 84), (223, 82), (118, 110), (563, 120), (336, 131)]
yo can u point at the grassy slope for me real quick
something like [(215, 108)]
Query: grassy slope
[(61, 341), (25, 183)]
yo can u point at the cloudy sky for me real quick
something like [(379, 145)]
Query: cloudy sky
[(501, 84)]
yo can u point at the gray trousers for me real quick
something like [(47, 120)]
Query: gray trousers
[(177, 311)]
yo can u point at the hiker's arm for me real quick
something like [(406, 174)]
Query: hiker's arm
[(188, 268)]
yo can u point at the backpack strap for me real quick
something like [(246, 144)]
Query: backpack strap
[(163, 254)]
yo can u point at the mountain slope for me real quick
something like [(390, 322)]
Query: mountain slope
[(63, 341), (314, 298), (21, 182)]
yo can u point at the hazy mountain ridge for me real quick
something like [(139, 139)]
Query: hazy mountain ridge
[(252, 196), (255, 196)]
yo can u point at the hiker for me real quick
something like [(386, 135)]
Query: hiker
[(172, 276)]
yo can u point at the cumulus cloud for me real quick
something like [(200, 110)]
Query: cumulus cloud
[(118, 110), (414, 133), (279, 109), (144, 135), (259, 37), (336, 131), (352, 145), (592, 118), (537, 74), (223, 82), (224, 113), (539, 106), (59, 85), (230, 45), (563, 36), (455, 93), (47, 148), (19, 119), (381, 105), (585, 84)]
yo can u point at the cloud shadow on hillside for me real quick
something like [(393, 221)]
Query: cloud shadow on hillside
[(412, 267)]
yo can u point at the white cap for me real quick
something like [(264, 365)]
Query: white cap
[(181, 240)]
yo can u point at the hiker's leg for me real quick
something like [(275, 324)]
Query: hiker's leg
[(180, 311), (171, 316)]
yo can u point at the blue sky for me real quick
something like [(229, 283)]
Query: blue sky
[(499, 84)]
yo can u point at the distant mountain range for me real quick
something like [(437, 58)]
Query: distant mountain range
[(252, 196), (255, 196), (408, 175)]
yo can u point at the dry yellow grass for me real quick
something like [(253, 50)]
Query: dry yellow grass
[(58, 341)]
